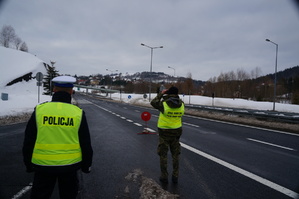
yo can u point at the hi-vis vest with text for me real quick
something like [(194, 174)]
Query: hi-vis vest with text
[(171, 118), (57, 142)]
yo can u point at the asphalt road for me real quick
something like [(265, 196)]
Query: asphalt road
[(218, 160)]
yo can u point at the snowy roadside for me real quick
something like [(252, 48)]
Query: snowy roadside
[(280, 126), (24, 114)]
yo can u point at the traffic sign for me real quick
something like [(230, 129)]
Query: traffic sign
[(39, 77)]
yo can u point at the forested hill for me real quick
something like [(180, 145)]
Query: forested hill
[(289, 73)]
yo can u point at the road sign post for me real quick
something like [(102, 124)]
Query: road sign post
[(39, 78)]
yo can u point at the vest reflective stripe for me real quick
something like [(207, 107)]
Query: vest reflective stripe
[(61, 157), (171, 118), (57, 141), (57, 146)]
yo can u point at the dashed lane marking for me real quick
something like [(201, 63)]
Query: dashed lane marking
[(86, 101), (128, 120), (189, 124), (150, 130)]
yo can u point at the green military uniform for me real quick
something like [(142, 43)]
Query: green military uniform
[(170, 129)]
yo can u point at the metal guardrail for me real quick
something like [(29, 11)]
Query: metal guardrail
[(105, 90), (260, 114)]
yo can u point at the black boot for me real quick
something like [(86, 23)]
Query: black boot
[(174, 179)]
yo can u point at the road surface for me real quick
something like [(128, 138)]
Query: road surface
[(218, 160)]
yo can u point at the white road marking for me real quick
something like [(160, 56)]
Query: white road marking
[(287, 148), (189, 124), (23, 191), (150, 130), (252, 176)]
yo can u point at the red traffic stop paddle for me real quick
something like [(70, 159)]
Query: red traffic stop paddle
[(145, 116)]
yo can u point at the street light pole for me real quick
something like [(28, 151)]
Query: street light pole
[(173, 70), (275, 75), (151, 66)]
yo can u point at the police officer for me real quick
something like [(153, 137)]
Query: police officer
[(171, 109), (57, 143)]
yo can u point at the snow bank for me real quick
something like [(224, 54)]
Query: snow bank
[(15, 63), (23, 96)]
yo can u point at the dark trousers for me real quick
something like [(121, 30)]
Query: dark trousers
[(166, 143), (44, 183)]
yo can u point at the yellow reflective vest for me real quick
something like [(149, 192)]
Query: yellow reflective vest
[(171, 118), (57, 142)]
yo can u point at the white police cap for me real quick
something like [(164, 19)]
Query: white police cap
[(64, 81)]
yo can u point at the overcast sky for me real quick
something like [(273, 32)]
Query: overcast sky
[(201, 37)]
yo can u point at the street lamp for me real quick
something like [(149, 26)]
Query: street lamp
[(111, 71), (275, 76), (173, 70), (152, 48)]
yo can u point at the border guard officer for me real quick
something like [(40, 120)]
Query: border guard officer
[(171, 109)]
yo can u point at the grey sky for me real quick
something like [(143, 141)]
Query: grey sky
[(201, 37)]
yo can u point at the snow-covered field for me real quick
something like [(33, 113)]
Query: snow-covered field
[(23, 96)]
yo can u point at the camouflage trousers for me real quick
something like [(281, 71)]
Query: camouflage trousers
[(166, 143)]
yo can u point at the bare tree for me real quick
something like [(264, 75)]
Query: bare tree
[(242, 74), (24, 47), (189, 83), (17, 42), (256, 72), (232, 76), (7, 35)]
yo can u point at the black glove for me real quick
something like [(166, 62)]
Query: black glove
[(86, 170)]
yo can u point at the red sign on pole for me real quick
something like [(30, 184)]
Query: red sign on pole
[(145, 116)]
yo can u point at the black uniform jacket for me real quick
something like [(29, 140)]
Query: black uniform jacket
[(84, 139)]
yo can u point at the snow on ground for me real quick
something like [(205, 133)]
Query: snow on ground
[(207, 101), (15, 63), (23, 96)]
